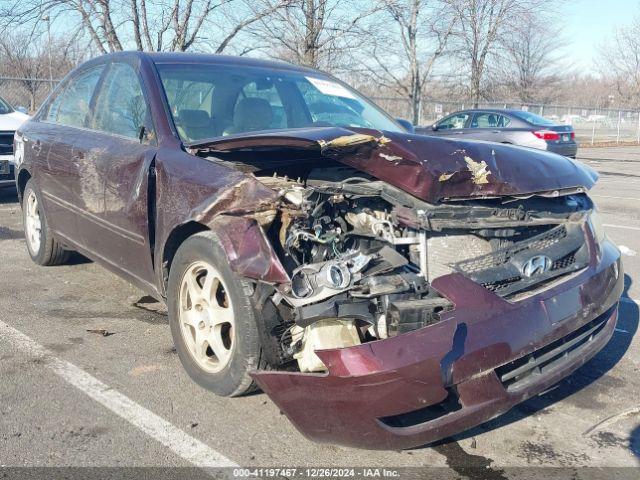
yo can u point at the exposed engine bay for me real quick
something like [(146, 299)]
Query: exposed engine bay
[(361, 254)]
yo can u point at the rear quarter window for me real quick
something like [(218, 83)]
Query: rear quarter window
[(534, 119)]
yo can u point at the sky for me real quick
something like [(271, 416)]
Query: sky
[(589, 23), (585, 25)]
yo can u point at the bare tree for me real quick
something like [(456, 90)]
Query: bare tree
[(479, 27), (24, 57), (412, 37), (619, 62), (528, 59), (315, 33), (152, 25)]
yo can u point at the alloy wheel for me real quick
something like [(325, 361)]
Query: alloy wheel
[(206, 317), (33, 223)]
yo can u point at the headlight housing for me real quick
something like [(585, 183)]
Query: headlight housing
[(595, 222)]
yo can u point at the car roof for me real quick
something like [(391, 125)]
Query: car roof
[(492, 110), (211, 59)]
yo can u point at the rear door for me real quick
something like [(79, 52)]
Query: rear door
[(57, 150), (490, 126), (120, 154)]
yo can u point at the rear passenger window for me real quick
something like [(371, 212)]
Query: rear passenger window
[(120, 108), (71, 106), (490, 120)]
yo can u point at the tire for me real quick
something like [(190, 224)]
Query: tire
[(43, 248), (207, 300)]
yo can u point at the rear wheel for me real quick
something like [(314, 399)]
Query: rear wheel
[(42, 247), (213, 322)]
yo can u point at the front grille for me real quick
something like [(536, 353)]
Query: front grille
[(501, 270), (6, 143), (520, 372), (504, 255), (9, 175), (562, 264), (499, 285)]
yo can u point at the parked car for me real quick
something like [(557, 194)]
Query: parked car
[(10, 120), (385, 289), (515, 127)]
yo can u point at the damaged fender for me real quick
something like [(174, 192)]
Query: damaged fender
[(249, 252)]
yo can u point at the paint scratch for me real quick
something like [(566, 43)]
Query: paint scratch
[(478, 170)]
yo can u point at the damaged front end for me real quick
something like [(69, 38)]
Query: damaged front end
[(368, 258)]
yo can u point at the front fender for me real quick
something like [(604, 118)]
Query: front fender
[(248, 250)]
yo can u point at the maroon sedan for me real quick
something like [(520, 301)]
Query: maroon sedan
[(385, 289)]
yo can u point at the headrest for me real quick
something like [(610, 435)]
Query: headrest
[(194, 118), (252, 114)]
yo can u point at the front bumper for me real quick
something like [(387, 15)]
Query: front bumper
[(431, 383)]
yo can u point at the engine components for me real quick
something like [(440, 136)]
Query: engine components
[(361, 257)]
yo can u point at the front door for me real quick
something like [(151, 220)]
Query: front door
[(456, 126)]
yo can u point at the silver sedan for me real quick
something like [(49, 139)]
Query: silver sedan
[(516, 127)]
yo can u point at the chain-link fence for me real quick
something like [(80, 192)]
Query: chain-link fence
[(592, 125), (27, 93)]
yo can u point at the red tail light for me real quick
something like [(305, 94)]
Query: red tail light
[(573, 135), (547, 134)]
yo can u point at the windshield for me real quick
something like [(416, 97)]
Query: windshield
[(5, 107), (533, 119), (210, 101)]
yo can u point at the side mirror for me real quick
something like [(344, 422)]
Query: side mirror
[(21, 110), (434, 127), (406, 124)]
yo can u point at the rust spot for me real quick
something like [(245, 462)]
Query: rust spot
[(478, 171)]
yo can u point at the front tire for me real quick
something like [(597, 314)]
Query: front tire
[(43, 248), (212, 318)]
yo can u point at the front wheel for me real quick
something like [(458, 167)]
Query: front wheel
[(212, 318), (42, 247)]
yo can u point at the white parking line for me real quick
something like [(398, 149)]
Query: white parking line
[(185, 446), (626, 227), (615, 198)]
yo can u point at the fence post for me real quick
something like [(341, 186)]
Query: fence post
[(593, 132), (619, 119)]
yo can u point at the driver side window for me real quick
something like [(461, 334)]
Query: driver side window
[(454, 122)]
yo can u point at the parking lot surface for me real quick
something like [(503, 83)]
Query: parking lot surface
[(70, 396)]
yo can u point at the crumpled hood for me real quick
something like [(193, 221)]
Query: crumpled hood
[(430, 168)]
